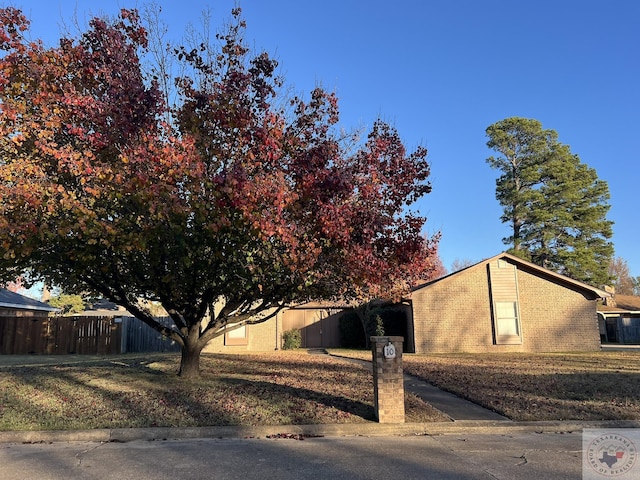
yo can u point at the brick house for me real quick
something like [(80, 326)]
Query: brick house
[(504, 304), (261, 337), (619, 319)]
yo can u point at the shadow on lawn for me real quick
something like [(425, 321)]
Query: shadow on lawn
[(520, 395), (296, 405), (109, 395), (267, 364), (117, 393), (304, 384)]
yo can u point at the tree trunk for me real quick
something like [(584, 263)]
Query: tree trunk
[(190, 360)]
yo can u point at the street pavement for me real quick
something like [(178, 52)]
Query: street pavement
[(484, 456)]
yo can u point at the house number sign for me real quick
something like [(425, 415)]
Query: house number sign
[(389, 351)]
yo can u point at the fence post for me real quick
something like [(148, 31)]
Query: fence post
[(124, 333)]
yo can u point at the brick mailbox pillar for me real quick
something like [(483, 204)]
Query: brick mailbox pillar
[(388, 379)]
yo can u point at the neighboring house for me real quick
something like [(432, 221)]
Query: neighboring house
[(23, 323), (619, 320), (505, 304), (15, 305)]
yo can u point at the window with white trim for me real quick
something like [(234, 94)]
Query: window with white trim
[(507, 323), (238, 336)]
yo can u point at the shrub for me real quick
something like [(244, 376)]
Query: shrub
[(394, 320), (291, 339), (379, 326)]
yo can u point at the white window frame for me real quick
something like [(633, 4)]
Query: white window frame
[(501, 316), (237, 337)]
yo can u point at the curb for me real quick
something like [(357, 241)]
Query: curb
[(462, 427)]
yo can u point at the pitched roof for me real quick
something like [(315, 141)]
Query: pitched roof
[(10, 299), (623, 303), (630, 302), (532, 268)]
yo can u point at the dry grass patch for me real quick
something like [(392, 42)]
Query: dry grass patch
[(571, 386), (253, 389)]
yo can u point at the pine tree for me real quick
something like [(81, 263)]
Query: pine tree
[(556, 205), (524, 147)]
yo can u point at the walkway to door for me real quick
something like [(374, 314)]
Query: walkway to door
[(455, 407)]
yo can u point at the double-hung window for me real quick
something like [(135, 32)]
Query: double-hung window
[(506, 323), (504, 297)]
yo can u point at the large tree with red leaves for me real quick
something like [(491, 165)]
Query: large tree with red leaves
[(224, 207)]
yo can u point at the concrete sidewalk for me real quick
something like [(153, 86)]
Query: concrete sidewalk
[(454, 407)]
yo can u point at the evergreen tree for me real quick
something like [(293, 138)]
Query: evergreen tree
[(523, 148), (555, 204)]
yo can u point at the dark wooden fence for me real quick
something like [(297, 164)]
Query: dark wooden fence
[(79, 335), (137, 336), (59, 335)]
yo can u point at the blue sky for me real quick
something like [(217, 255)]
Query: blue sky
[(442, 71)]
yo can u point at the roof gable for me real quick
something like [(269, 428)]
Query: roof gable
[(529, 267), (14, 300)]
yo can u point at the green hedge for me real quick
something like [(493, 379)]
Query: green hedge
[(291, 339)]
